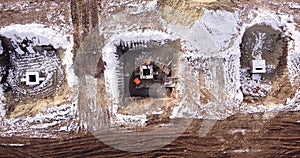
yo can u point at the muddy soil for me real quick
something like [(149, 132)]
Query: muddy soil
[(251, 135), (254, 135), (141, 101), (262, 41), (265, 41)]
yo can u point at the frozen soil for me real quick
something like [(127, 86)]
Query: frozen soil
[(242, 135), (274, 87), (210, 85), (51, 13), (168, 54)]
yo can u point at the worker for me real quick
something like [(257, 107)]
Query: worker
[(137, 81), (148, 63)]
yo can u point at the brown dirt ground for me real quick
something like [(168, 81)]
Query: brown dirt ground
[(36, 12), (274, 51), (252, 135), (277, 136)]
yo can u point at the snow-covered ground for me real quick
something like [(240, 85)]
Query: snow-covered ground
[(226, 31), (58, 119), (112, 63), (110, 57), (43, 35), (276, 21), (213, 37), (217, 35), (198, 41), (2, 108), (63, 115)]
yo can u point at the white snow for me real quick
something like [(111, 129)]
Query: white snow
[(290, 106), (242, 131), (40, 34), (68, 62), (287, 23), (136, 120), (213, 37), (253, 87), (49, 16), (55, 116), (180, 110), (138, 8), (216, 34), (2, 100), (241, 151), (110, 72), (227, 39), (12, 145), (293, 5), (195, 40), (1, 49), (44, 125), (222, 26), (43, 35), (266, 17), (293, 46), (256, 53), (157, 112)]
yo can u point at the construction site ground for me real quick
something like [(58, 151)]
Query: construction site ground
[(251, 135), (241, 135), (274, 52)]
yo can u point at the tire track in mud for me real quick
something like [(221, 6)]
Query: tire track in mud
[(244, 135), (84, 18)]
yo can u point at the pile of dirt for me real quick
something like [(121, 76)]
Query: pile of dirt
[(186, 13)]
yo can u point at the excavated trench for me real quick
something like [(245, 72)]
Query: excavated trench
[(249, 135), (273, 87), (152, 96), (152, 51), (21, 57), (4, 58)]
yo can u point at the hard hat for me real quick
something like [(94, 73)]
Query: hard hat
[(148, 63)]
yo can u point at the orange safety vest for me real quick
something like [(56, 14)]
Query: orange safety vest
[(137, 81)]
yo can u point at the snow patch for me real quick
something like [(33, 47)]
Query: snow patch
[(266, 17), (293, 5), (137, 120), (55, 116), (242, 131), (12, 145), (138, 8), (214, 38), (158, 112), (2, 105), (241, 151), (40, 34), (286, 24), (292, 104), (221, 25), (52, 117), (1, 48), (44, 125)]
